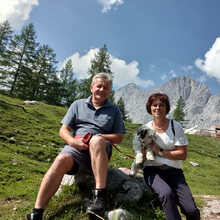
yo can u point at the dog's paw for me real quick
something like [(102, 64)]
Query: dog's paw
[(139, 158), (149, 154), (132, 173), (134, 169), (150, 157)]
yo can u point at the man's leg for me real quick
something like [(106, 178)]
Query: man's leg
[(99, 162), (52, 179)]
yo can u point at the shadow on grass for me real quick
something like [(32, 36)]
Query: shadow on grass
[(71, 211)]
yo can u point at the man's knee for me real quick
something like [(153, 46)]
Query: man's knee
[(63, 163), (97, 143)]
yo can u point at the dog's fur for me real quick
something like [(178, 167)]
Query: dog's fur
[(144, 136)]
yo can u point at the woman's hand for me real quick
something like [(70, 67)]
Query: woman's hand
[(143, 151), (154, 147)]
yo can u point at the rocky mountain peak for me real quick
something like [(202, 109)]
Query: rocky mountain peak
[(201, 108)]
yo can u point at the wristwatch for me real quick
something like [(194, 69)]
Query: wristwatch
[(160, 153), (98, 134)]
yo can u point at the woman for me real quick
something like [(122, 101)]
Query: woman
[(165, 174)]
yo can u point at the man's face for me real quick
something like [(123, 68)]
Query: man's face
[(100, 89)]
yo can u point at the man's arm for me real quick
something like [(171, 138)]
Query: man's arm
[(68, 139), (114, 138)]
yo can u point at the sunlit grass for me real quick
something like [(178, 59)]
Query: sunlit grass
[(30, 142)]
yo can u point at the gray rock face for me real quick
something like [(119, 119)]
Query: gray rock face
[(120, 188), (201, 108)]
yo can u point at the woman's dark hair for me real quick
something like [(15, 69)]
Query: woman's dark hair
[(162, 97)]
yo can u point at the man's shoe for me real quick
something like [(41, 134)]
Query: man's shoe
[(98, 205), (34, 216)]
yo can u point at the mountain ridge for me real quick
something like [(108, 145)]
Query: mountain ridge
[(201, 108)]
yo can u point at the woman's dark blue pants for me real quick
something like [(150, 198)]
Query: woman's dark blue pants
[(173, 191)]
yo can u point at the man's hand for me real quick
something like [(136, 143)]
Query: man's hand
[(68, 139), (79, 144)]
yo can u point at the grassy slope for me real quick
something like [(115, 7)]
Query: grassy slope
[(30, 141)]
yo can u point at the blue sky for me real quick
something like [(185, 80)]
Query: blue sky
[(149, 41)]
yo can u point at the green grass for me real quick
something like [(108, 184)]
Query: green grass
[(30, 142)]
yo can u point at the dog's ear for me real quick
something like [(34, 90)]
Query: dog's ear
[(153, 137), (141, 132)]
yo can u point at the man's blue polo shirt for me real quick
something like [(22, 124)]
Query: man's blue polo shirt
[(82, 117)]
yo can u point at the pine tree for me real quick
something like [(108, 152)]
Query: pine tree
[(69, 84), (20, 58), (5, 36), (100, 63), (43, 72), (53, 95), (121, 105), (179, 114)]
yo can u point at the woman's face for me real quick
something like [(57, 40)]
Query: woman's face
[(158, 109)]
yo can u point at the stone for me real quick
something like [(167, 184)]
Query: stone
[(119, 214), (27, 102), (119, 185)]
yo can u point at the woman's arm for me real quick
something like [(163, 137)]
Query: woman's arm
[(179, 153)]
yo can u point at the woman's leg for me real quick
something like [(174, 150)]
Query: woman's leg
[(185, 198), (154, 178)]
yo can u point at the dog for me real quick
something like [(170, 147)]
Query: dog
[(144, 136)]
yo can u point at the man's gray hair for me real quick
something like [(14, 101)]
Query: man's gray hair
[(107, 77)]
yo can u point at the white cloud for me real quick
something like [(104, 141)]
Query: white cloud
[(187, 68), (163, 77), (127, 73), (108, 4), (81, 64), (123, 73), (211, 64), (16, 11), (202, 79), (173, 73), (152, 67)]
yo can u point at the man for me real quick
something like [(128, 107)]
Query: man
[(103, 120)]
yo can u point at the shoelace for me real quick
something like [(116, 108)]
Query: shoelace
[(98, 200), (32, 216)]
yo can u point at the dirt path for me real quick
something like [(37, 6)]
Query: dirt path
[(210, 211)]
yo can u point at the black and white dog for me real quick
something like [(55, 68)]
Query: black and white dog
[(144, 136)]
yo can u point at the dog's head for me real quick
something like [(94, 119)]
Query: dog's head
[(146, 134)]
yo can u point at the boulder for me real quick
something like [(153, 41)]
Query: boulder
[(120, 187)]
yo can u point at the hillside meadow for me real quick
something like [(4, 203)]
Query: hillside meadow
[(29, 142)]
